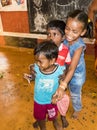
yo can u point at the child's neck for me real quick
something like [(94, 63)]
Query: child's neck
[(72, 42), (50, 69)]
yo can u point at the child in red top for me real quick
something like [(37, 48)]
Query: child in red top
[(55, 32), (63, 56)]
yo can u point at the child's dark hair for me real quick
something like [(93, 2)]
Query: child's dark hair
[(89, 32), (80, 16), (83, 17), (48, 48), (57, 24)]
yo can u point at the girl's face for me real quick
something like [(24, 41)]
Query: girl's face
[(43, 63), (73, 30), (55, 36)]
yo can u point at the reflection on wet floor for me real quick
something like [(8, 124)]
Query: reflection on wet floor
[(3, 62), (14, 108), (5, 93), (16, 94)]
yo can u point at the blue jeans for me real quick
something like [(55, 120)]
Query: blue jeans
[(75, 87)]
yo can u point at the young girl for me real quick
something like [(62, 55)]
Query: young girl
[(46, 83), (76, 26)]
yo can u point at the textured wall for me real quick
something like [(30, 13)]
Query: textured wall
[(15, 21)]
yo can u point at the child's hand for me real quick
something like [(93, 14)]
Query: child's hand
[(54, 99), (61, 77), (29, 77), (58, 95)]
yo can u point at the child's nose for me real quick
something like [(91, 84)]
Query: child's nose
[(50, 37)]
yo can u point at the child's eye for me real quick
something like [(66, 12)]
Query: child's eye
[(75, 32), (68, 29), (55, 34), (48, 34)]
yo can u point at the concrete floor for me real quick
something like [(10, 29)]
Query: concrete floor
[(16, 95)]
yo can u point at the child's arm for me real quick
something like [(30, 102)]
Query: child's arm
[(70, 72), (55, 97), (31, 68), (30, 77)]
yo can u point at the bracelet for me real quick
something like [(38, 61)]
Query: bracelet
[(61, 86)]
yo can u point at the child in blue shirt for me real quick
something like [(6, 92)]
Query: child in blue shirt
[(46, 83), (56, 33)]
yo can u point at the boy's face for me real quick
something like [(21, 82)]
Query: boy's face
[(44, 63), (55, 36)]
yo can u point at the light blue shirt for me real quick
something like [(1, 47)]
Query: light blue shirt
[(46, 84)]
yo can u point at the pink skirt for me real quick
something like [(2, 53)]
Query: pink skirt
[(63, 105)]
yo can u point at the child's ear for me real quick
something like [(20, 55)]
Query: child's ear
[(84, 31)]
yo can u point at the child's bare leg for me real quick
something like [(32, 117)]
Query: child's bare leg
[(42, 124), (35, 124), (57, 126), (64, 122)]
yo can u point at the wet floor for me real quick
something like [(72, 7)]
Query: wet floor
[(16, 94)]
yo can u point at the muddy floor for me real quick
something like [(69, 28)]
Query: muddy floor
[(16, 94)]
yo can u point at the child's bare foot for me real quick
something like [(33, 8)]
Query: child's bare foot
[(75, 115), (35, 124), (57, 126), (64, 122)]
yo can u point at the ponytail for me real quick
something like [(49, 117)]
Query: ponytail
[(89, 33)]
